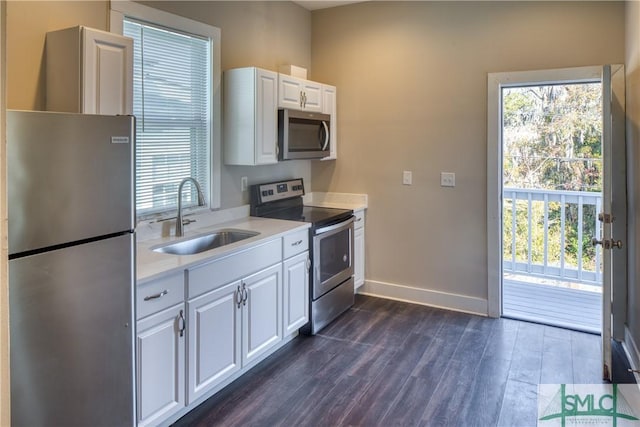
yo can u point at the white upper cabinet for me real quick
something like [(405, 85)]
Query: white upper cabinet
[(329, 107), (89, 71), (250, 116), (299, 94)]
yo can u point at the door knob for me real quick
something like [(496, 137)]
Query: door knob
[(607, 244)]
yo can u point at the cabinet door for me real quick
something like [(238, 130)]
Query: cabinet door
[(267, 117), (296, 292), (312, 96), (262, 313), (107, 75), (160, 365), (289, 92), (299, 94), (358, 255), (213, 339), (329, 107)]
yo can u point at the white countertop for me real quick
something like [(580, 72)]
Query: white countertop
[(150, 264)]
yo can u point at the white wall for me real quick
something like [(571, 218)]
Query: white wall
[(633, 180), (412, 95)]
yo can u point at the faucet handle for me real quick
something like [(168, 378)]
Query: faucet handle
[(187, 221)]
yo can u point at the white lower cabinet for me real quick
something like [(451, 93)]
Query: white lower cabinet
[(261, 313), (296, 292), (160, 353), (238, 310), (231, 326), (214, 339)]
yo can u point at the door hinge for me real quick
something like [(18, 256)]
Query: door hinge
[(606, 218)]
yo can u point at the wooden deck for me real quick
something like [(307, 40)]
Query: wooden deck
[(552, 305)]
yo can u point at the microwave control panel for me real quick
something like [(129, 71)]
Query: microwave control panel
[(273, 191)]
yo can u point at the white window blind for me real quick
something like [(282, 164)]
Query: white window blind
[(171, 102)]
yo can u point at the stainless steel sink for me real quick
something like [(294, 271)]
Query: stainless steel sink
[(205, 242)]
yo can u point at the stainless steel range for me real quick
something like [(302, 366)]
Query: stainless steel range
[(331, 237)]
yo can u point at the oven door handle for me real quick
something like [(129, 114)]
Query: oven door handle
[(335, 226)]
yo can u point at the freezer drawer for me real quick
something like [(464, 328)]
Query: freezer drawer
[(72, 336)]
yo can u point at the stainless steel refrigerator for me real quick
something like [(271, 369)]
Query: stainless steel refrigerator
[(71, 268)]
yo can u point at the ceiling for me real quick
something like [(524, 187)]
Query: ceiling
[(323, 4)]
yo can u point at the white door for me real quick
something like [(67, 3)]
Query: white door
[(261, 313), (312, 96), (614, 189), (267, 117), (160, 365), (289, 92), (107, 73), (296, 292), (213, 339), (613, 215)]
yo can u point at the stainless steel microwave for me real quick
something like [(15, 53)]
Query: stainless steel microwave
[(303, 135)]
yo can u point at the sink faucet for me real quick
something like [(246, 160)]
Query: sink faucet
[(179, 229)]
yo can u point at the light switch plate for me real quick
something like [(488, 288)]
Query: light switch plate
[(243, 183), (407, 178), (447, 179)]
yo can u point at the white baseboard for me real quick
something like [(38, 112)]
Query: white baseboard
[(633, 354), (428, 297)]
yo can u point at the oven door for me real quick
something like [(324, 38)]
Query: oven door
[(332, 256)]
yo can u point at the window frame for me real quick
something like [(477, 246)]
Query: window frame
[(124, 8)]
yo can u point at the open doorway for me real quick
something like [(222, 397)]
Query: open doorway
[(612, 216), (552, 194)]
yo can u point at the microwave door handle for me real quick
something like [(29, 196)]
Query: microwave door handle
[(326, 135)]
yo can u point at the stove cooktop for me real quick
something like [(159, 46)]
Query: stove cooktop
[(283, 200), (315, 215)]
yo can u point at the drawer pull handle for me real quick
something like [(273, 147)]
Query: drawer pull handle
[(156, 296), (299, 242), (182, 325), (245, 294), (239, 296)]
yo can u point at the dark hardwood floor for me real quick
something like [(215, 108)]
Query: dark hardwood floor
[(387, 363)]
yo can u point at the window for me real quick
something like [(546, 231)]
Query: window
[(176, 77)]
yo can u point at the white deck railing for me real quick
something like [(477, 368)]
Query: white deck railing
[(554, 267)]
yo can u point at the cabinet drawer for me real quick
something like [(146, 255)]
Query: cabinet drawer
[(296, 243), (159, 294), (211, 276), (359, 222)]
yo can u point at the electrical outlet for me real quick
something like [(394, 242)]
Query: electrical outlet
[(244, 183), (447, 179), (407, 178)]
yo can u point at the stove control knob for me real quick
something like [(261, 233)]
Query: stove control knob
[(344, 258)]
